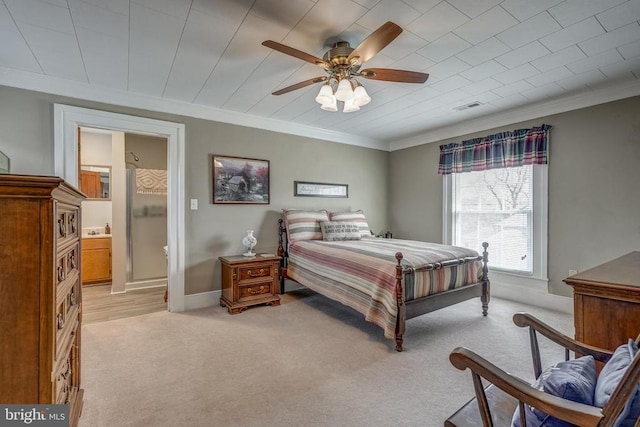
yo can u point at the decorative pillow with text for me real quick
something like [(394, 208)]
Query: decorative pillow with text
[(340, 230)]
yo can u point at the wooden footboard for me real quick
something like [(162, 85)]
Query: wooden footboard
[(418, 306)]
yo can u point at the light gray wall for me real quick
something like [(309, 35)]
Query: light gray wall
[(594, 193), (216, 230)]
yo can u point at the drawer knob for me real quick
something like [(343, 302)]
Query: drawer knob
[(60, 321), (260, 273), (257, 291), (60, 273)]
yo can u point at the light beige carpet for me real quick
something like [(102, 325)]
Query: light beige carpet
[(308, 362)]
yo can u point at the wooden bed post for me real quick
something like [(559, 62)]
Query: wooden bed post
[(401, 315), (485, 280), (282, 271)]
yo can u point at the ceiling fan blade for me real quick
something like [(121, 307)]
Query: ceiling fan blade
[(287, 50), (374, 43), (389, 75), (300, 85)]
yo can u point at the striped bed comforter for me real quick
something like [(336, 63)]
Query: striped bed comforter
[(361, 273)]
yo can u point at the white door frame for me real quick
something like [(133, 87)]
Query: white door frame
[(66, 120)]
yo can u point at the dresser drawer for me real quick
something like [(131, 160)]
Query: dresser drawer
[(67, 376), (66, 330), (254, 291), (67, 268), (67, 220), (255, 272)]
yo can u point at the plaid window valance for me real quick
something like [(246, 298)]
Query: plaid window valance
[(501, 150)]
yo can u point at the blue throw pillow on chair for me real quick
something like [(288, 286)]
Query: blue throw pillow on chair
[(572, 380), (611, 374)]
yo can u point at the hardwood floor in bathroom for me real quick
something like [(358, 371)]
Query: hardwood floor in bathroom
[(99, 305)]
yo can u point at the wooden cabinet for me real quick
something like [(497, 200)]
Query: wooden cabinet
[(249, 281), (96, 260), (607, 302), (40, 292), (90, 184)]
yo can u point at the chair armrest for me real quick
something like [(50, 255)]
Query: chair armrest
[(567, 410), (526, 320)]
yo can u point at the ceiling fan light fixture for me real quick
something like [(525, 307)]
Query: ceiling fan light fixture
[(344, 91), (360, 96), (330, 105), (350, 106), (325, 94)]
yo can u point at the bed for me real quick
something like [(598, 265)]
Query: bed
[(387, 280)]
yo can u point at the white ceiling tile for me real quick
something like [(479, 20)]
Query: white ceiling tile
[(557, 59), (445, 47), (620, 68), (6, 21), (483, 98), (571, 11), (482, 86), (486, 25), (450, 83), (515, 74), (551, 76), (405, 44), (525, 9), (413, 62), (618, 37), (630, 50), (473, 8), (581, 81), (367, 3), (453, 98), (576, 33), (512, 88), (117, 6), (550, 90), (488, 49), (177, 8), (422, 5), (437, 22), (510, 101), (195, 60), (425, 93), (41, 14), (530, 30), (234, 10), (447, 68), (388, 10), (523, 54), (483, 71), (15, 53), (106, 70), (99, 19), (620, 15), (597, 61)]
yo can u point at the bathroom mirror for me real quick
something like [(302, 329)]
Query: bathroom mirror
[(95, 182)]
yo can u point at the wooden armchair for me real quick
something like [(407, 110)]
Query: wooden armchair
[(494, 405)]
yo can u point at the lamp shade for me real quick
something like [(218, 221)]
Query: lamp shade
[(344, 91), (350, 106), (360, 96), (325, 94), (331, 104)]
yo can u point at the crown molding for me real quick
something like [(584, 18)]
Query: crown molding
[(80, 90), (534, 111)]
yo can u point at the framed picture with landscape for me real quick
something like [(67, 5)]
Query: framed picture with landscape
[(239, 180)]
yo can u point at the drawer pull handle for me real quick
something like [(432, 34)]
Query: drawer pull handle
[(60, 273), (72, 224), (72, 298), (67, 372), (60, 321), (72, 261), (259, 274), (256, 292), (61, 228)]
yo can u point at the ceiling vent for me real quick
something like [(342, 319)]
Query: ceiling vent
[(467, 106)]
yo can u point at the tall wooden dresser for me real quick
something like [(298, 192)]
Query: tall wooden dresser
[(40, 292)]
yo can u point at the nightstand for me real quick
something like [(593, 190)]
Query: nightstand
[(248, 281)]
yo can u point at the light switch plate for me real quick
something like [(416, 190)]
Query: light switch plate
[(194, 204)]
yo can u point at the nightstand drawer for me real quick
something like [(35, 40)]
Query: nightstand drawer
[(249, 274), (254, 291)]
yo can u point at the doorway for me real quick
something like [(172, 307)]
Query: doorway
[(68, 118)]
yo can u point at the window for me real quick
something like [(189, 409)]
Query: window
[(505, 207)]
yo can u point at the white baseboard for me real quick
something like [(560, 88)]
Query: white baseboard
[(202, 300), (532, 297), (144, 284)]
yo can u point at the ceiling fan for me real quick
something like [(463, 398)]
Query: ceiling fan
[(342, 64)]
